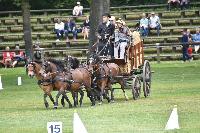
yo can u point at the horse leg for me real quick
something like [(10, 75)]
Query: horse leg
[(81, 98), (74, 98), (51, 98), (101, 96), (106, 95), (111, 93), (67, 99), (122, 83), (45, 101), (57, 96), (90, 94), (63, 101)]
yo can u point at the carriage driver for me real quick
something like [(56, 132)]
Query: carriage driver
[(121, 39), (104, 33)]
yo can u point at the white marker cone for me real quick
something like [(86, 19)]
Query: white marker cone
[(173, 120), (19, 81), (1, 86), (78, 126)]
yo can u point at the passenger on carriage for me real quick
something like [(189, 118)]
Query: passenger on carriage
[(104, 33), (121, 40)]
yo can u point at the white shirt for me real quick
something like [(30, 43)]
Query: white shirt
[(154, 21), (144, 22), (77, 9), (59, 26)]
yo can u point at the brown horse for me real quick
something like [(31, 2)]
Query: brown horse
[(44, 81), (105, 74), (75, 79)]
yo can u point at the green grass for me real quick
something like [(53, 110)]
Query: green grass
[(174, 83)]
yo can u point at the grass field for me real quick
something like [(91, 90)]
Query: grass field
[(174, 83)]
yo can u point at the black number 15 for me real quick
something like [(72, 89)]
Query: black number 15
[(55, 128)]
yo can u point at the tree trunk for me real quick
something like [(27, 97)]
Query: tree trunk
[(27, 29), (97, 9)]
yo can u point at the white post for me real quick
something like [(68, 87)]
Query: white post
[(1, 86), (19, 81)]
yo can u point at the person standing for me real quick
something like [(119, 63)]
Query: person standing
[(105, 31), (121, 40), (185, 45)]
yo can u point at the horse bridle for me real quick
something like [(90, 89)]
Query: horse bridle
[(33, 65)]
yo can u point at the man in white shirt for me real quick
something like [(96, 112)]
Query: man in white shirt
[(154, 23), (78, 10), (59, 29), (144, 25)]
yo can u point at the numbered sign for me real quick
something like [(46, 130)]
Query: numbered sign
[(54, 127)]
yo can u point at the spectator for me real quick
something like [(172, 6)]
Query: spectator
[(112, 20), (184, 4), (154, 23), (121, 40), (7, 57), (70, 27), (144, 25), (19, 56), (86, 28), (185, 45), (78, 10), (190, 53), (59, 29), (173, 3), (189, 35), (196, 38)]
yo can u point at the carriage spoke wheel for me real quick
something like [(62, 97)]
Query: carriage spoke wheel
[(146, 78), (136, 87)]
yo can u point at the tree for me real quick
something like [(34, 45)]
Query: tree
[(97, 9), (27, 29)]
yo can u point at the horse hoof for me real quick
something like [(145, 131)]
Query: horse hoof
[(100, 103), (63, 105), (112, 101), (46, 105)]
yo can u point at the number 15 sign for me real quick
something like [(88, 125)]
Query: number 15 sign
[(54, 127)]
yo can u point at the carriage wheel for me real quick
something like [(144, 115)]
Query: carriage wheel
[(136, 87), (146, 78)]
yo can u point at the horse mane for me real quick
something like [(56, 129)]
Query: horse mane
[(59, 64), (74, 62)]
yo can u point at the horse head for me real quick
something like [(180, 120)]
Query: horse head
[(31, 69), (93, 63), (34, 69)]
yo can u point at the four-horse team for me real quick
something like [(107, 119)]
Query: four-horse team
[(117, 58)]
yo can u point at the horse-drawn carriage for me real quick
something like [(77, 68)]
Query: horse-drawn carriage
[(97, 77), (135, 71)]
